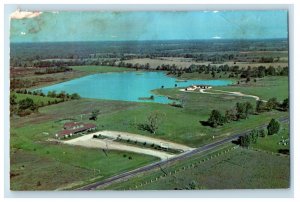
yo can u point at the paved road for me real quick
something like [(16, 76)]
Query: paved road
[(129, 174)]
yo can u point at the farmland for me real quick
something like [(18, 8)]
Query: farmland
[(41, 162), (186, 62), (226, 168)]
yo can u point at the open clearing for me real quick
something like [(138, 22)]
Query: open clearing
[(109, 143)]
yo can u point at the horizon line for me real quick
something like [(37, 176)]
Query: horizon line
[(147, 40)]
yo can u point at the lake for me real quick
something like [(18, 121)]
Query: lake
[(126, 86)]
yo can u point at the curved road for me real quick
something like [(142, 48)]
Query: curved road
[(129, 174)]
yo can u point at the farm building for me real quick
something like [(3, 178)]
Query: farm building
[(75, 128)]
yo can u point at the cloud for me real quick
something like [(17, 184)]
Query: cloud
[(24, 14)]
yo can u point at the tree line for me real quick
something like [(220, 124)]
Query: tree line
[(27, 105), (252, 137), (243, 110)]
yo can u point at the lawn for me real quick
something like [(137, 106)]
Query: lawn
[(182, 125), (237, 169)]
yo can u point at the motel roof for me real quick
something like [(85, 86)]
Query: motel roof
[(86, 126)]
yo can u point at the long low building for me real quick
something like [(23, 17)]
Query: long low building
[(197, 87), (75, 128)]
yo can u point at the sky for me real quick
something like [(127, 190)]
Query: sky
[(159, 25)]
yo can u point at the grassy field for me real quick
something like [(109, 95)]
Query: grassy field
[(39, 100), (182, 125), (32, 152), (237, 169), (272, 142), (265, 88)]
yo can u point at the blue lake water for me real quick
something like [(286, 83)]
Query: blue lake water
[(126, 86)]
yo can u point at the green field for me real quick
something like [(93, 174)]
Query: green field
[(265, 88), (273, 143), (237, 169), (38, 100), (32, 152)]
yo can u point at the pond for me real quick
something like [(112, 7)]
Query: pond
[(126, 86)]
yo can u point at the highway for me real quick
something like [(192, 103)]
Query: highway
[(185, 155)]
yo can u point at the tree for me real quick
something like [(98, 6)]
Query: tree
[(13, 103), (94, 115), (26, 103), (248, 139), (62, 95), (51, 94), (75, 96), (154, 120), (243, 110), (245, 141), (254, 135), (213, 74), (273, 127), (272, 104), (13, 99), (260, 106), (249, 109), (215, 118), (230, 115), (285, 104), (262, 133)]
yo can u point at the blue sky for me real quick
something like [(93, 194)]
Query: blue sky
[(120, 26)]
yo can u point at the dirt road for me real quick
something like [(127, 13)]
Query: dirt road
[(218, 92), (110, 144)]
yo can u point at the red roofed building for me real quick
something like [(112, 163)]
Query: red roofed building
[(75, 128)]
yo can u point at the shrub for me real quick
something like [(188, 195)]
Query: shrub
[(273, 127), (215, 118), (262, 133)]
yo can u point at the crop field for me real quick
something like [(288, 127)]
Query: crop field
[(236, 168)]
